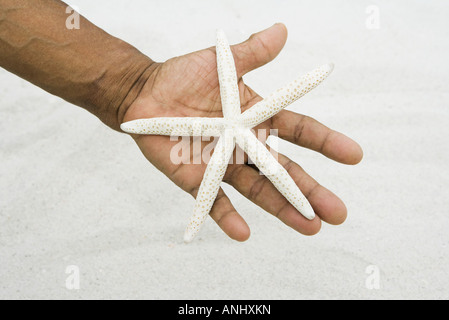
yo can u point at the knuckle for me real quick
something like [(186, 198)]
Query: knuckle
[(256, 188)]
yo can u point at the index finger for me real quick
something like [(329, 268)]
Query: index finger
[(309, 133)]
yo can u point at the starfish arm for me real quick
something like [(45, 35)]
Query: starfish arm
[(176, 126), (227, 77), (278, 100), (210, 184), (275, 172)]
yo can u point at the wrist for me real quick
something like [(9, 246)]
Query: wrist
[(120, 83)]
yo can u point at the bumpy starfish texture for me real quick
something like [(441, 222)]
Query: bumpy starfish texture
[(235, 127)]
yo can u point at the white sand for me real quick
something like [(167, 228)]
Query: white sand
[(73, 192)]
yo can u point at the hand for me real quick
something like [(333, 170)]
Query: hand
[(187, 86)]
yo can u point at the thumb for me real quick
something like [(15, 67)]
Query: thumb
[(259, 49)]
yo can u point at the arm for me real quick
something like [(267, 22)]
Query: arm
[(85, 66)]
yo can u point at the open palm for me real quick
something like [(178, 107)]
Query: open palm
[(187, 86)]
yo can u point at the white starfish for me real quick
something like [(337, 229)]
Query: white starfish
[(235, 127)]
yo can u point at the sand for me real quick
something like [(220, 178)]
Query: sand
[(74, 192)]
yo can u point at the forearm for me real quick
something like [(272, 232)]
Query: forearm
[(84, 66)]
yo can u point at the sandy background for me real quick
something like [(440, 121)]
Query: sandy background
[(73, 192)]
